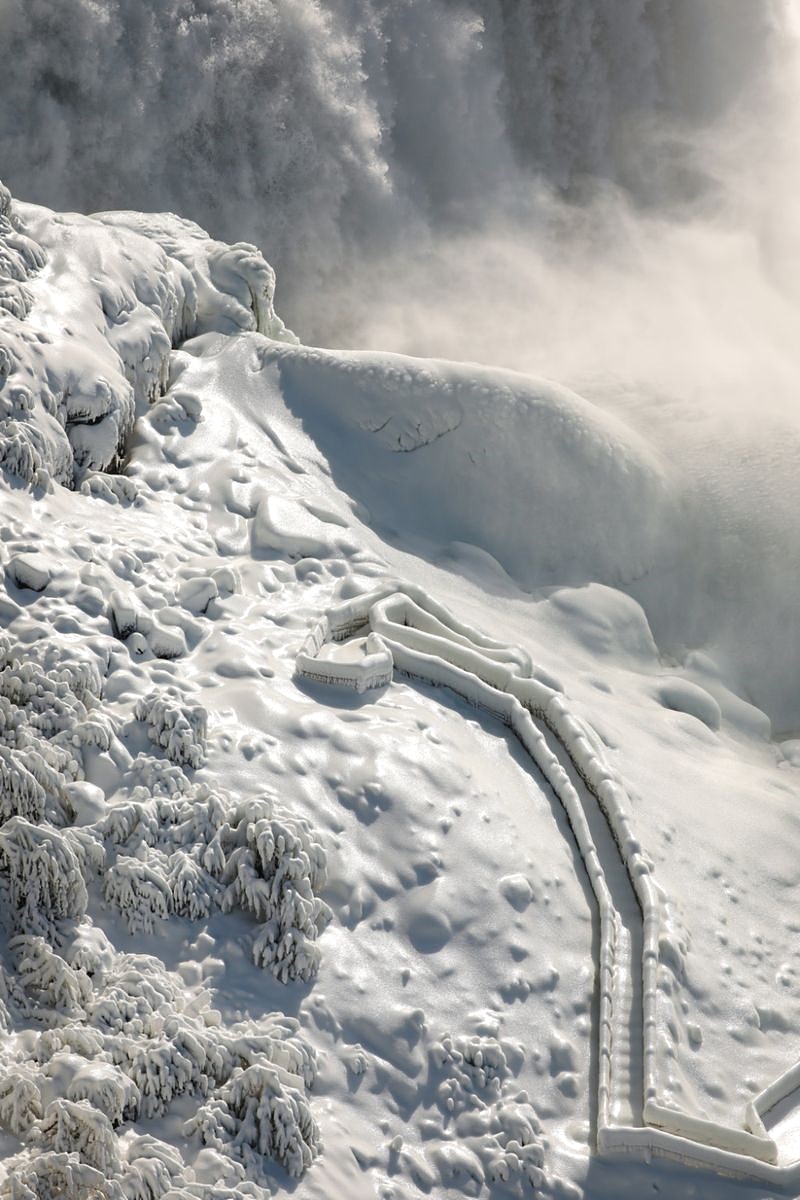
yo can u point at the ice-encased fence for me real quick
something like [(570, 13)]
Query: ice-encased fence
[(414, 634)]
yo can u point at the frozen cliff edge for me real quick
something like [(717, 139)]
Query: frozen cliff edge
[(90, 309)]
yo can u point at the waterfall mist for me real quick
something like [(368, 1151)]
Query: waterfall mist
[(601, 191)]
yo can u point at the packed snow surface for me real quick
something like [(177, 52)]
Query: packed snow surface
[(484, 916)]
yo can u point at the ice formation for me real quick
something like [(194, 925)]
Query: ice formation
[(137, 287)]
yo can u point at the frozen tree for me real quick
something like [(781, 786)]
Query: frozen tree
[(180, 821), (104, 1085), (76, 1125), (160, 1070), (179, 729), (21, 794), (50, 982), (41, 875), (20, 1098), (273, 868), (153, 1168), (259, 1109), (159, 776), (194, 892), (138, 892), (55, 690), (52, 1175), (73, 1038), (46, 703)]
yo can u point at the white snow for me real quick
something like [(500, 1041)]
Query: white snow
[(484, 918)]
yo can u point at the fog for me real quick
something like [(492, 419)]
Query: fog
[(599, 191)]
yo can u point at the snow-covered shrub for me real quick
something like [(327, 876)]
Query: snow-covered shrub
[(140, 1040), (73, 1038), (151, 1170), (496, 1129), (54, 685), (103, 1084), (50, 982), (183, 821), (273, 868), (162, 842), (20, 792), (24, 452), (135, 994), (77, 1126), (275, 1039), (41, 876), (87, 845), (132, 824), (198, 860), (52, 1175), (260, 1109), (179, 729), (194, 892), (139, 892), (47, 698), (12, 720), (474, 1063), (32, 777), (20, 1099), (159, 776), (160, 1070), (115, 489)]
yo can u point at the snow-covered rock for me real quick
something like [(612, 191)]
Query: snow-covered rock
[(135, 287)]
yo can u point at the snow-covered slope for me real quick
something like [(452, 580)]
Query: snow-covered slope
[(259, 932)]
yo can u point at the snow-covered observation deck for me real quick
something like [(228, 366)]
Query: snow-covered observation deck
[(357, 645)]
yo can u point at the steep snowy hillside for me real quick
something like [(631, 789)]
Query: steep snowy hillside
[(358, 837)]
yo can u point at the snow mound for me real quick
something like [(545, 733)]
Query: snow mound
[(540, 479)]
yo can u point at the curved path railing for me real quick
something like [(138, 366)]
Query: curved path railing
[(405, 629)]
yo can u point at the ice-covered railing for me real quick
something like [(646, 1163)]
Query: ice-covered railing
[(90, 311), (407, 630)]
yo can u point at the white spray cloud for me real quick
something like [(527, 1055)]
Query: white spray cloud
[(602, 193)]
